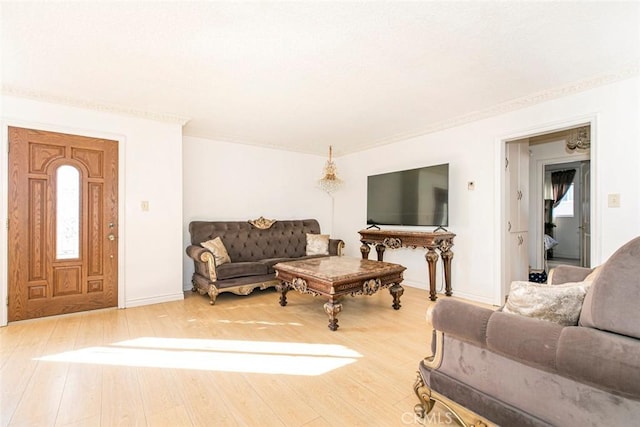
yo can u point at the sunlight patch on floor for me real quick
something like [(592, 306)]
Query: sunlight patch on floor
[(215, 355)]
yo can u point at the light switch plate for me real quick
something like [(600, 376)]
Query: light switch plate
[(144, 205), (614, 200)]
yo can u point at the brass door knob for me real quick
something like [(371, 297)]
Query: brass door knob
[(111, 237)]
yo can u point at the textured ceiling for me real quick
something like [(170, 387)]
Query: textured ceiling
[(304, 75)]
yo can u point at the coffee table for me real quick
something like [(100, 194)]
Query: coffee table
[(337, 276)]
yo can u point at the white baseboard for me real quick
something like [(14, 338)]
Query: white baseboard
[(137, 302), (471, 297), (413, 284), (441, 295)]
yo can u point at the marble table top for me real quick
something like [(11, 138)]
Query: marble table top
[(339, 268)]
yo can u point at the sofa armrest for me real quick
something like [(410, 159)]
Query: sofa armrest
[(526, 339), (204, 261), (336, 246), (568, 273), (195, 252), (464, 321)]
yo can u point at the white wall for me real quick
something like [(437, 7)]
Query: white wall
[(224, 181), (233, 182), (150, 243), (475, 152)]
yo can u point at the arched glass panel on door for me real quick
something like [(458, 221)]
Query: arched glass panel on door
[(67, 212)]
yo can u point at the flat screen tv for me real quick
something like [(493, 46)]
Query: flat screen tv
[(409, 197)]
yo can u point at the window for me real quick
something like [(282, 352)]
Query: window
[(566, 206), (67, 212)]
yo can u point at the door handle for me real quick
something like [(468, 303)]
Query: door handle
[(111, 237)]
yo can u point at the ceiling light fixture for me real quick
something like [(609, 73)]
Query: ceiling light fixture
[(579, 138), (330, 181)]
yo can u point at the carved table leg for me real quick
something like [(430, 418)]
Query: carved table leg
[(396, 292), (447, 255), (283, 288), (332, 308), (380, 250), (364, 250), (432, 257)]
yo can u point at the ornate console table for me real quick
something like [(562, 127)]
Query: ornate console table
[(434, 242)]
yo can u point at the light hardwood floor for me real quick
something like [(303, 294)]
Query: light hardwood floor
[(244, 362)]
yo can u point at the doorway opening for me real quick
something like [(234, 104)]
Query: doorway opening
[(556, 230), (561, 199), (567, 222)]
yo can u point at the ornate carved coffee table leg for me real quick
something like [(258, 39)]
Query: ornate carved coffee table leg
[(396, 292), (432, 257), (364, 250), (283, 288), (332, 308), (380, 250)]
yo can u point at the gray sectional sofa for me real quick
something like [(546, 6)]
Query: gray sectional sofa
[(254, 247), (496, 367)]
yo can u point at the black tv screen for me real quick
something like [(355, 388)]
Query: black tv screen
[(409, 197)]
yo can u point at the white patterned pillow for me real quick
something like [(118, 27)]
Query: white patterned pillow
[(317, 244), (555, 303), (216, 247)]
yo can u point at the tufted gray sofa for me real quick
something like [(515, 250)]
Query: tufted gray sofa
[(253, 252)]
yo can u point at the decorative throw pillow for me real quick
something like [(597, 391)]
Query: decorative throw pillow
[(317, 244), (216, 247), (555, 303)]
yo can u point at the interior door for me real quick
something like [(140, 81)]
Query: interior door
[(63, 220), (585, 209)]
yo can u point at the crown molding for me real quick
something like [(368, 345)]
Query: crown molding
[(35, 95), (628, 71)]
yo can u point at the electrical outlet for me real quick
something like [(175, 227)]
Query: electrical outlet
[(614, 200)]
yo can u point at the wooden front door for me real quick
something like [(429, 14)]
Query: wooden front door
[(63, 223)]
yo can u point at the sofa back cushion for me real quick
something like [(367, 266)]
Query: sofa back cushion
[(244, 242), (608, 361), (612, 301)]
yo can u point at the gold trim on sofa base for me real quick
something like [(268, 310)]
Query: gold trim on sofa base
[(428, 399), (213, 291)]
